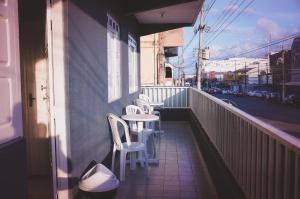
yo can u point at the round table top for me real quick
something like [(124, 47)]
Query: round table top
[(140, 117), (156, 103)]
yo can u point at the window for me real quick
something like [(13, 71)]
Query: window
[(132, 65), (168, 72), (113, 60)]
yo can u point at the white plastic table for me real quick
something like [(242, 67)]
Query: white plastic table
[(156, 104), (140, 119)]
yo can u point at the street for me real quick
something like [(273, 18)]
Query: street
[(284, 117)]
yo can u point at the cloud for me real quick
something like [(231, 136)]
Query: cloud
[(231, 8), (214, 12), (250, 11), (238, 30), (267, 26)]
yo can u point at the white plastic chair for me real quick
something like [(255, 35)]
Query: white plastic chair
[(144, 97), (147, 131), (132, 109), (145, 106), (125, 147)]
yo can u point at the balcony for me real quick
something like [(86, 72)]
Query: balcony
[(213, 150)]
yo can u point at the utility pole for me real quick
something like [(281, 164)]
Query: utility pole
[(179, 71), (268, 64), (234, 71), (258, 80), (283, 75), (200, 29), (245, 78), (181, 79)]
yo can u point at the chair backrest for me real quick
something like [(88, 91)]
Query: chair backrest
[(114, 121), (132, 109), (144, 105), (144, 97)]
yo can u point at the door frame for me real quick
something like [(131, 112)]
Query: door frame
[(50, 79), (59, 128)]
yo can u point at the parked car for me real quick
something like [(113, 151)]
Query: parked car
[(230, 92), (264, 93), (274, 95), (225, 91), (271, 95), (218, 90), (250, 93), (239, 94), (211, 91), (187, 84), (258, 94), (290, 99), (205, 89)]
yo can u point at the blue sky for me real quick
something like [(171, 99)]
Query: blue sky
[(251, 29)]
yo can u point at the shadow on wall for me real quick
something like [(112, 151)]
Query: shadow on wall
[(88, 79)]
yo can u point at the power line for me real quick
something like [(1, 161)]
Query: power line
[(225, 13), (226, 18), (210, 7), (262, 46), (241, 11), (197, 30), (222, 14)]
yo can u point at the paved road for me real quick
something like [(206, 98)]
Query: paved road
[(284, 117)]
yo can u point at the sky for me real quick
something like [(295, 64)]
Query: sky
[(261, 21)]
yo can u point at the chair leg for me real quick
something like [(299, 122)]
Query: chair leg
[(153, 145), (122, 165), (145, 156), (113, 159), (159, 125)]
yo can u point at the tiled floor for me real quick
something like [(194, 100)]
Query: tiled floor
[(181, 172)]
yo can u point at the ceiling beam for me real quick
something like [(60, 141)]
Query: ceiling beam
[(135, 6)]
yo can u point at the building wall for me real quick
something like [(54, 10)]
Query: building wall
[(295, 61), (90, 138), (277, 68), (151, 45), (149, 50)]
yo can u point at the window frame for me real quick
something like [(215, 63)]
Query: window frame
[(113, 59), (132, 65)]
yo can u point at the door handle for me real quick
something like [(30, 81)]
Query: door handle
[(31, 98)]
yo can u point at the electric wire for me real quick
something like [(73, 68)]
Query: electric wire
[(262, 46), (226, 18), (241, 11)]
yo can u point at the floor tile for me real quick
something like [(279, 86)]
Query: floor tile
[(181, 173)]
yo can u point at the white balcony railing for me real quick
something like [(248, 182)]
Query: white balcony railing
[(265, 161), (173, 97)]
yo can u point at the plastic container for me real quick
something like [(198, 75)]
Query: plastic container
[(98, 182)]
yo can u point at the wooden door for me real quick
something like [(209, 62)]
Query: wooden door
[(35, 95), (10, 91)]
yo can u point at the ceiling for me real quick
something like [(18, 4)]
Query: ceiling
[(184, 13)]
